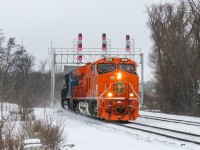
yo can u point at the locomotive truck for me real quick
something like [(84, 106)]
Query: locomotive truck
[(107, 88)]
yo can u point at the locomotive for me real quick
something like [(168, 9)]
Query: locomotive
[(107, 88)]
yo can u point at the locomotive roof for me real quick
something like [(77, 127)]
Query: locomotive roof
[(81, 70)]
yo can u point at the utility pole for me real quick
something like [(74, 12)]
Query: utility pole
[(52, 75)]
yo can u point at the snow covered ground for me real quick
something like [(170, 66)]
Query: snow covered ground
[(89, 134), (170, 125), (196, 119), (8, 109)]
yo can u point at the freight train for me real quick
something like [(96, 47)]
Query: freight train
[(107, 88)]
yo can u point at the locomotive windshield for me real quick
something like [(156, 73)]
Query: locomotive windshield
[(126, 67), (104, 68)]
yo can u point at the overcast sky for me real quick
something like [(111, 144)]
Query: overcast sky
[(38, 22)]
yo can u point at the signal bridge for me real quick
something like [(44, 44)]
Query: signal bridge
[(78, 56), (69, 56)]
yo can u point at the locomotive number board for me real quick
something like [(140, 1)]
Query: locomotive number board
[(123, 59), (109, 59)]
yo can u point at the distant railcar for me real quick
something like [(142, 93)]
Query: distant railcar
[(107, 89)]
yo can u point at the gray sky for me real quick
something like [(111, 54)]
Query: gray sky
[(40, 21)]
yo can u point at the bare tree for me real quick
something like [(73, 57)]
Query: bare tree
[(15, 67), (22, 70), (174, 57), (194, 6), (6, 67)]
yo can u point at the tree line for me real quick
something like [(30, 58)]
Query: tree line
[(20, 83), (175, 55)]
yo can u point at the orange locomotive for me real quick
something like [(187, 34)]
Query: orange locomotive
[(107, 89)]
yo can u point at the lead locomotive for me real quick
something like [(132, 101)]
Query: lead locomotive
[(107, 89)]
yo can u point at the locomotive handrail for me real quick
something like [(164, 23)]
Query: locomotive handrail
[(105, 91), (135, 92)]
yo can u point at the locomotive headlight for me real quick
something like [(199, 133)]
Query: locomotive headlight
[(119, 75), (109, 94), (131, 94)]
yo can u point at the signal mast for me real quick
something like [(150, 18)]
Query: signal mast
[(79, 47), (104, 42)]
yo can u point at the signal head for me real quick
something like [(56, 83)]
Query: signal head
[(80, 36), (80, 58), (127, 47), (103, 36), (80, 46), (104, 47), (127, 37)]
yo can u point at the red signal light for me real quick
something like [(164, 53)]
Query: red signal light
[(80, 36), (103, 36), (79, 46), (104, 46), (127, 47), (80, 58)]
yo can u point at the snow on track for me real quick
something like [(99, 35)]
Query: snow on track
[(180, 135), (170, 125), (170, 116), (171, 120)]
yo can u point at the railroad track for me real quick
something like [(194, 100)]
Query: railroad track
[(169, 133), (193, 123), (178, 135)]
